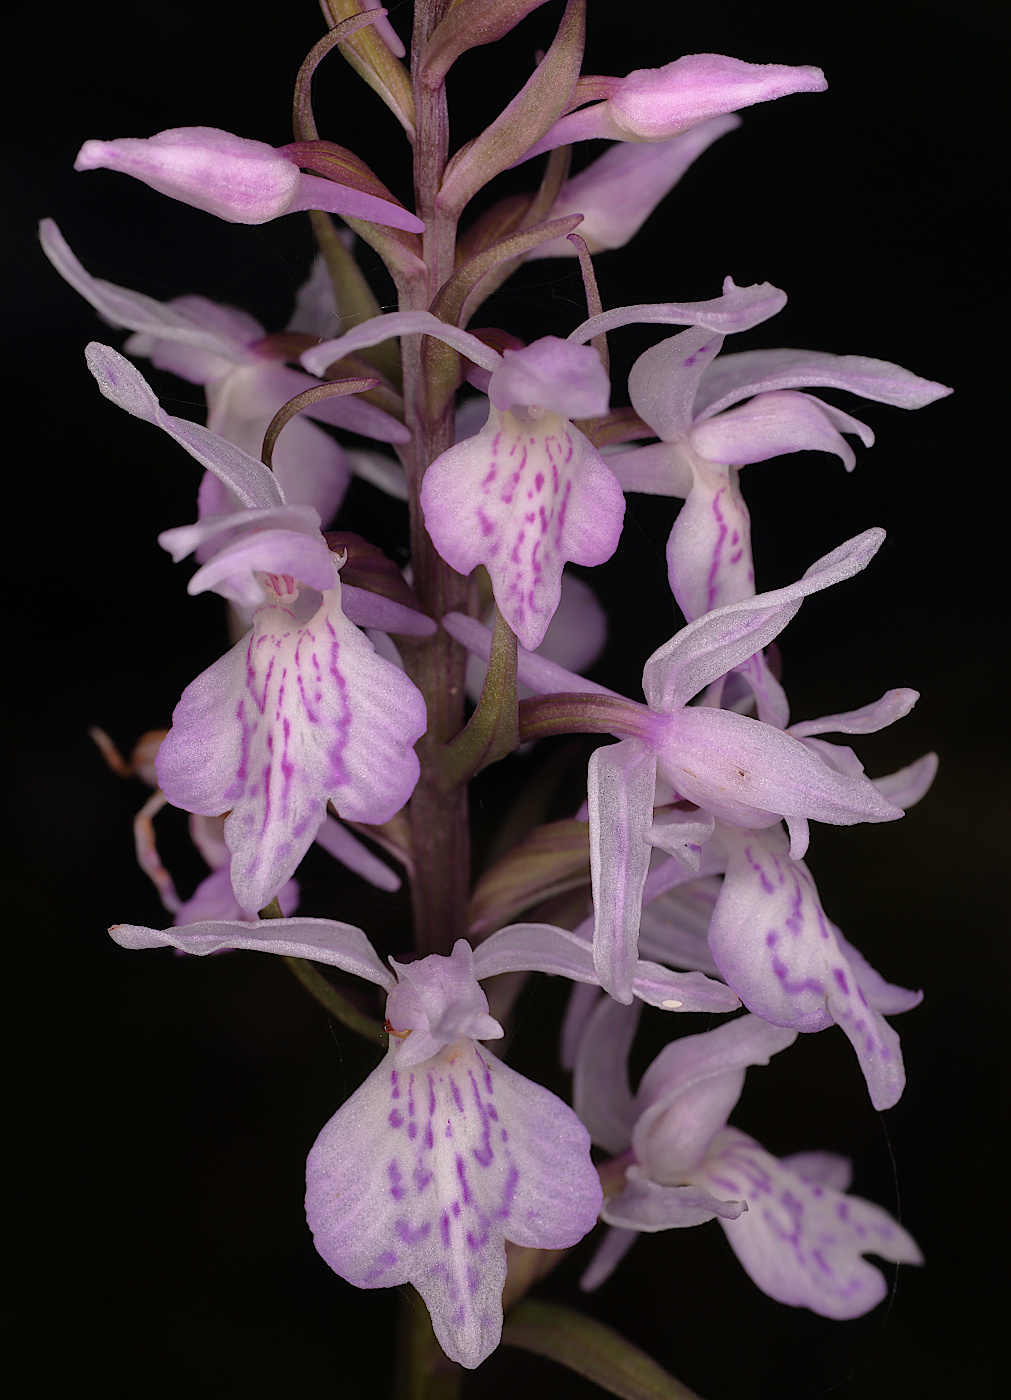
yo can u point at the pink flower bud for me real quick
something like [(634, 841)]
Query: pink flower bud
[(242, 181)]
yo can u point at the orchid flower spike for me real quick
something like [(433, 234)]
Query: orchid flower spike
[(444, 1153), (655, 104), (790, 1223), (239, 180)]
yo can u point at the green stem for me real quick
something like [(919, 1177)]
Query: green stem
[(439, 826), (423, 1371), (316, 985), (328, 996)]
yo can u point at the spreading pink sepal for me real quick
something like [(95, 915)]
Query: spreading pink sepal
[(302, 711), (222, 348), (748, 372), (654, 104), (619, 191), (247, 478), (380, 328), (738, 309), (233, 177), (322, 940), (620, 783)]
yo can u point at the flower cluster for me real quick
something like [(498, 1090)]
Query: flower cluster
[(342, 704)]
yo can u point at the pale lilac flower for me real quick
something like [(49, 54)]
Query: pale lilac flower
[(744, 771), (655, 104), (762, 928), (228, 352), (444, 1152), (529, 492), (686, 395), (774, 944), (235, 178), (299, 713), (619, 191), (790, 1223)]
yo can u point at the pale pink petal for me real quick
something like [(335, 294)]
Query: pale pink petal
[(772, 424), (739, 376), (906, 787), (621, 782), (663, 382), (737, 309), (422, 1175), (565, 379), (396, 323), (171, 321), (715, 643), (690, 1089), (523, 498), (345, 847), (546, 948), (776, 948), (802, 1241), (893, 705)]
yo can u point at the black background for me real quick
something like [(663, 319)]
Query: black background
[(164, 1107)]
